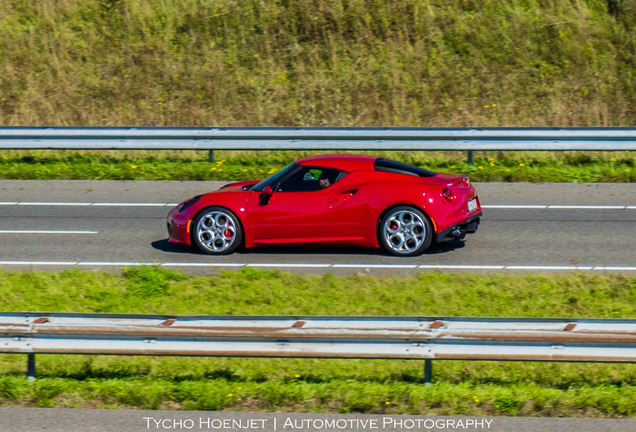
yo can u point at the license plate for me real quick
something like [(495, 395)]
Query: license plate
[(472, 205)]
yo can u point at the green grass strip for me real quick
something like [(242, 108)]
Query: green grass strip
[(164, 165), (321, 385)]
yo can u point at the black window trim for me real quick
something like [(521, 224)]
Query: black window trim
[(417, 171)]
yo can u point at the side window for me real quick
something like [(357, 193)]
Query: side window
[(309, 179)]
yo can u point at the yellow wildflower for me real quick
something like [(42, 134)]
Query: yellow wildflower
[(521, 165), (388, 403), (492, 164), (481, 167), (213, 169), (486, 106), (494, 105), (230, 395), (297, 376), (255, 55), (614, 159), (133, 166)]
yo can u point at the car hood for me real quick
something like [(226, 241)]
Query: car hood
[(238, 186)]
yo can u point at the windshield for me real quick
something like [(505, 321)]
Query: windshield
[(273, 179)]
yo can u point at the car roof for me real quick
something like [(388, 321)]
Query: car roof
[(344, 162)]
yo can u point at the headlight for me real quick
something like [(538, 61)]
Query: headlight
[(184, 205)]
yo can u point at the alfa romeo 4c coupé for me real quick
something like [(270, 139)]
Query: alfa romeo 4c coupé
[(346, 200)]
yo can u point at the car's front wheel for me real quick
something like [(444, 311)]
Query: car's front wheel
[(217, 231), (405, 231)]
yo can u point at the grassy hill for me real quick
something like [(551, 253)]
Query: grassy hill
[(318, 62)]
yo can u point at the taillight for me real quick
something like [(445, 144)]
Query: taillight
[(447, 194)]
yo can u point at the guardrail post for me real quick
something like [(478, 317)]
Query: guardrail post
[(211, 156), (428, 371), (470, 157), (31, 367)]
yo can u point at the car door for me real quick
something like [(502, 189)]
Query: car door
[(302, 205)]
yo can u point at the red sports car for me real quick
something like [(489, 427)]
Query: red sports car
[(332, 200)]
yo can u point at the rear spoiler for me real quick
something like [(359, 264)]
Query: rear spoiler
[(463, 182)]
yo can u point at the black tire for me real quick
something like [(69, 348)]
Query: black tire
[(413, 231), (214, 240)]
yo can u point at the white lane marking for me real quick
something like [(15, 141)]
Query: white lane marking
[(514, 206), (46, 232), (377, 266), (615, 268), (54, 204), (459, 266), (631, 207), (56, 263), (286, 265), (557, 206), (174, 264), (587, 207), (410, 266), (124, 264), (539, 267), (122, 204), (88, 204)]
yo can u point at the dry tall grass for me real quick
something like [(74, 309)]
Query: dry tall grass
[(317, 62)]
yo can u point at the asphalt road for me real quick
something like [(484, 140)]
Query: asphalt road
[(76, 420), (515, 237), (507, 237)]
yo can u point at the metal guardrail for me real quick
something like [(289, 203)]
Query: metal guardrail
[(277, 138), (281, 138), (414, 338)]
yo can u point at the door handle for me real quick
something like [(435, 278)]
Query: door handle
[(331, 200)]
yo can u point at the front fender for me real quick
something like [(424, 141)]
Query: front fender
[(236, 202)]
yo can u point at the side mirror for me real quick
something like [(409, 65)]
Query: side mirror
[(264, 197)]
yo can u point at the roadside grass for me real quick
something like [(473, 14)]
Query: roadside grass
[(228, 165), (320, 385)]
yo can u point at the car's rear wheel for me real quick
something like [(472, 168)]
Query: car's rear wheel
[(405, 231), (217, 231)]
